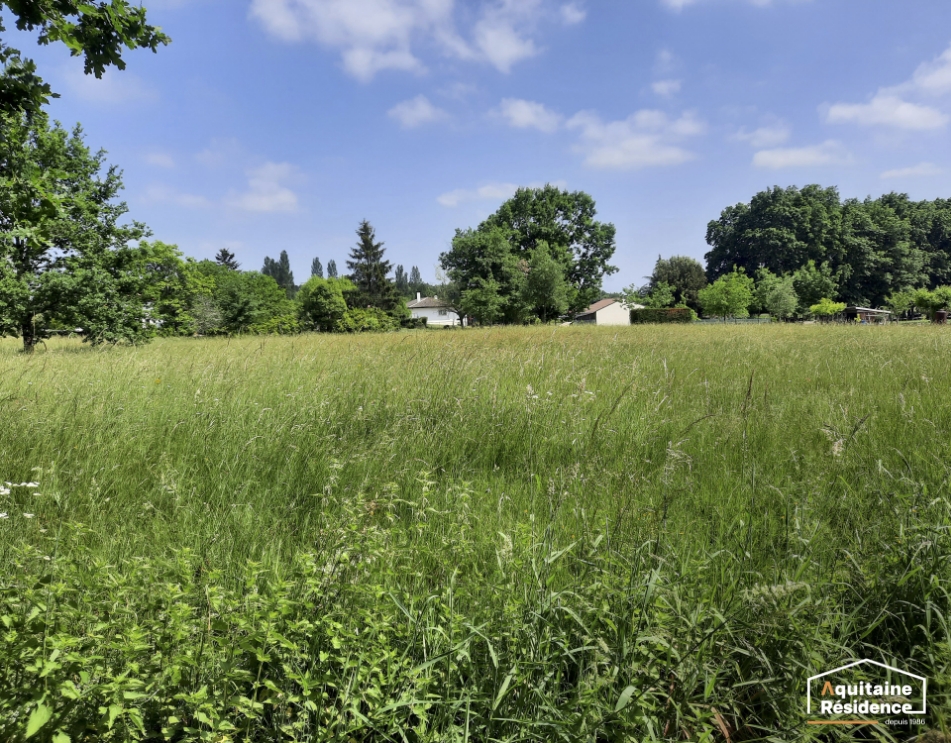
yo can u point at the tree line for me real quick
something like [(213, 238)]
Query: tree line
[(806, 251)]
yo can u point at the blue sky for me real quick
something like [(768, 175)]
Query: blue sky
[(280, 124)]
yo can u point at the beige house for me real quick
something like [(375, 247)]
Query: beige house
[(435, 310), (607, 312)]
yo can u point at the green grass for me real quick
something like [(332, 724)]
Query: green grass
[(576, 534)]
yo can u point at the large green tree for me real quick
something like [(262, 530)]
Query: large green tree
[(368, 272), (489, 276), (685, 277), (280, 271), (64, 253), (99, 31), (545, 290), (566, 222)]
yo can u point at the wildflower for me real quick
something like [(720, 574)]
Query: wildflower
[(29, 515), (158, 381)]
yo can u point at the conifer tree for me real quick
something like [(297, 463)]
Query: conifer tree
[(401, 280), (368, 271), (316, 268), (331, 269), (280, 271), (226, 258), (414, 278)]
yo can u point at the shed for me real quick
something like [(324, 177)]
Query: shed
[(867, 315), (607, 312)]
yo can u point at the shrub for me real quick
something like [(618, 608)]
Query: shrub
[(414, 323), (669, 315), (827, 308), (372, 319)]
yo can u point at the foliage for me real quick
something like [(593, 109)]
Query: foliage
[(226, 258), (368, 272), (655, 315), (331, 269), (63, 250), (658, 296), (825, 307), (932, 301), (322, 304), (811, 283), (263, 539), (367, 320), (96, 30), (489, 277), (728, 296), (901, 300), (684, 276), (545, 291), (775, 294), (280, 271), (317, 268), (564, 221), (867, 249)]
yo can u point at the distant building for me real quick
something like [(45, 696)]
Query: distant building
[(435, 310), (607, 312)]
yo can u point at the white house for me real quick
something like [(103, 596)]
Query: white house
[(607, 312), (435, 310)]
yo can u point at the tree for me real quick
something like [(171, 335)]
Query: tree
[(368, 272), (62, 247), (489, 275), (401, 280), (812, 283), (780, 299), (280, 271), (545, 291), (331, 269), (728, 296), (250, 302), (316, 268), (565, 221), (415, 279), (96, 30), (226, 258), (322, 303), (685, 277), (825, 307)]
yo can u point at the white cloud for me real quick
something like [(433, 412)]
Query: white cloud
[(489, 192), (827, 153), (887, 110), (681, 4), (160, 160), (416, 112), (267, 191), (114, 87), (666, 88), (916, 171), (160, 193), (523, 114), (766, 136), (376, 35), (891, 107), (645, 139), (571, 14)]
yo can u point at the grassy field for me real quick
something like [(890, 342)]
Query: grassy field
[(534, 534)]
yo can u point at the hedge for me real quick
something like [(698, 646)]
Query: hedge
[(673, 314)]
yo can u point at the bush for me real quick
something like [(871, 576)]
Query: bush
[(414, 323), (669, 315), (372, 319)]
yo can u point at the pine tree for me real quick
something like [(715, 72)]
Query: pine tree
[(316, 268), (280, 271), (331, 269), (401, 280), (226, 258), (368, 272)]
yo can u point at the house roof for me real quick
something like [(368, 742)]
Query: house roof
[(599, 305), (427, 302)]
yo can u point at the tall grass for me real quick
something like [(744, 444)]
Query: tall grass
[(577, 534)]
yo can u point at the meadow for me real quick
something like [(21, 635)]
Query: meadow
[(516, 534)]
